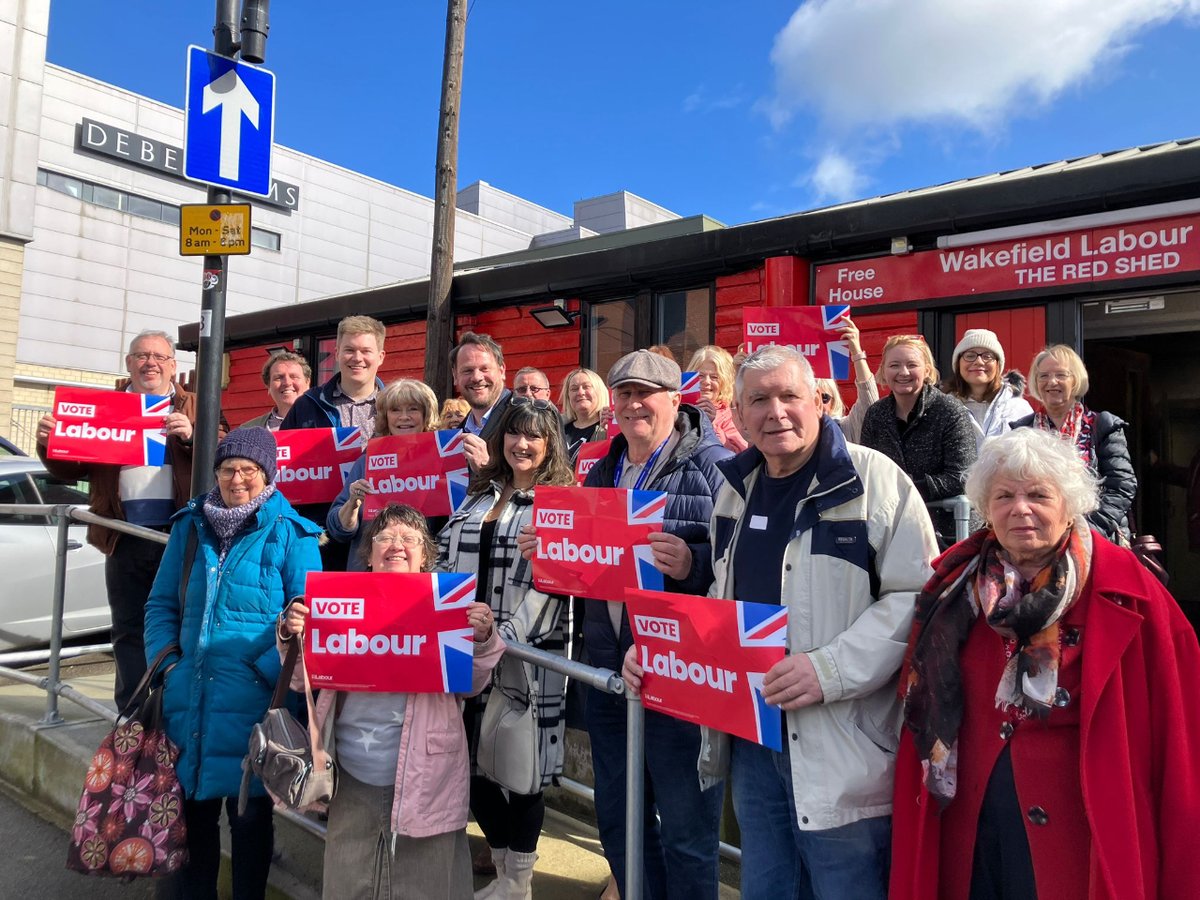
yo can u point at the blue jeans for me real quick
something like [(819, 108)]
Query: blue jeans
[(681, 855), (781, 862)]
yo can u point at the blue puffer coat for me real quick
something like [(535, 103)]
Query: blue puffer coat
[(223, 683), (691, 480)]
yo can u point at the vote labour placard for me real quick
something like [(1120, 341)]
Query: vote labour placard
[(116, 427), (809, 330), (314, 462), (589, 454), (427, 471), (592, 542), (389, 631), (705, 660)]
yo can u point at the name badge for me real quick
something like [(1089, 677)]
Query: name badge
[(758, 523)]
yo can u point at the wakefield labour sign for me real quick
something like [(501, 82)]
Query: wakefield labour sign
[(214, 230), (229, 123)]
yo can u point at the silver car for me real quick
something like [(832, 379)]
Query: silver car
[(27, 545)]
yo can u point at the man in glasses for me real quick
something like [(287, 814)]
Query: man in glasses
[(532, 383), (141, 495), (477, 364)]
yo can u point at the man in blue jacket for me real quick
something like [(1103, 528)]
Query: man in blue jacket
[(346, 399), (663, 446)]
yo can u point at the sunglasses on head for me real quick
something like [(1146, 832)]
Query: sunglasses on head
[(536, 402)]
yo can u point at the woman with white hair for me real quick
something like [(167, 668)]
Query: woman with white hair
[(1051, 731), (714, 366)]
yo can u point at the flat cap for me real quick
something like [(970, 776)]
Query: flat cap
[(644, 367)]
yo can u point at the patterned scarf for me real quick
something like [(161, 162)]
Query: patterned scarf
[(1077, 428), (227, 521), (971, 578)]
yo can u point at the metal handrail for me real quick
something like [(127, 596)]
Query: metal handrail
[(961, 507), (602, 679)]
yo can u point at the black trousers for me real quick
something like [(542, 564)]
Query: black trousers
[(129, 575), (513, 822), (252, 839)]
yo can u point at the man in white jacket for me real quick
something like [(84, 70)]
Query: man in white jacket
[(838, 533)]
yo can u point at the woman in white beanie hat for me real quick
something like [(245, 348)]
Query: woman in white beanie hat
[(978, 381)]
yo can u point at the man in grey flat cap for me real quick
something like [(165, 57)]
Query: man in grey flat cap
[(663, 446)]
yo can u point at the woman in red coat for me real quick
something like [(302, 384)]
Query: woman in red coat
[(1050, 747)]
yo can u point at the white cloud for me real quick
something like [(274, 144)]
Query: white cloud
[(701, 100), (880, 63), (835, 178)]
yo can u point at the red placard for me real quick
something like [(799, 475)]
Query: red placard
[(116, 427), (704, 660), (592, 541), (314, 462), (1132, 250), (589, 454), (809, 330), (427, 471), (389, 631)]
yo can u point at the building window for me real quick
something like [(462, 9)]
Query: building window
[(682, 320), (326, 359), (135, 205), (611, 332)]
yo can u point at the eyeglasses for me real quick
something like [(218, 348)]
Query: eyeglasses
[(247, 472), (146, 357), (527, 390), (536, 402), (408, 540), (973, 355)]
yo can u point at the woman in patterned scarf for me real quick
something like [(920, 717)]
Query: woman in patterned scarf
[(526, 450), (1059, 380), (1050, 747)]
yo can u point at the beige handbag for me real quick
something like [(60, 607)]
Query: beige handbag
[(508, 732), (291, 760)]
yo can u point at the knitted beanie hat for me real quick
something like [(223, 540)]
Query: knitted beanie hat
[(984, 340), (255, 444)]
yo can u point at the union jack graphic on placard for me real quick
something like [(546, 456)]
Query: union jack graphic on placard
[(768, 719), (153, 405), (347, 438), (647, 507), (456, 487), (832, 316), (453, 590), (457, 652), (450, 442), (154, 441), (689, 387), (648, 577), (762, 625)]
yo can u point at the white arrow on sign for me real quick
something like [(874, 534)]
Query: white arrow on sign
[(235, 100)]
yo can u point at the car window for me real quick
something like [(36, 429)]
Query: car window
[(56, 490), (17, 488)]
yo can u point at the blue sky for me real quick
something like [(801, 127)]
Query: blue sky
[(740, 111)]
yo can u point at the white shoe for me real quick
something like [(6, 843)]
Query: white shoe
[(491, 890)]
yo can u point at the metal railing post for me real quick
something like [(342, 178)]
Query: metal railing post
[(62, 517), (635, 796)]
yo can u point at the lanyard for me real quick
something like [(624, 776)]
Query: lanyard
[(645, 473)]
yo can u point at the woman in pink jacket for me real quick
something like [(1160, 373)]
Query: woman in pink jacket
[(397, 824), (714, 365)]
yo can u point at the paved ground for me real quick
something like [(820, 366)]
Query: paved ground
[(33, 850)]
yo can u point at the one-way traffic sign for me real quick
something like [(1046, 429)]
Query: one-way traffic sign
[(229, 123)]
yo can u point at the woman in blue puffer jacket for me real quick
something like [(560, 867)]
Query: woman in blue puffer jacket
[(251, 553)]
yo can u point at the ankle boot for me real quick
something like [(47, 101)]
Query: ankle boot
[(518, 877), (491, 890)]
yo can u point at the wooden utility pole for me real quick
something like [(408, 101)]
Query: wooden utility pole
[(439, 328)]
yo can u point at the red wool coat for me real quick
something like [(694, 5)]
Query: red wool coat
[(1139, 730)]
